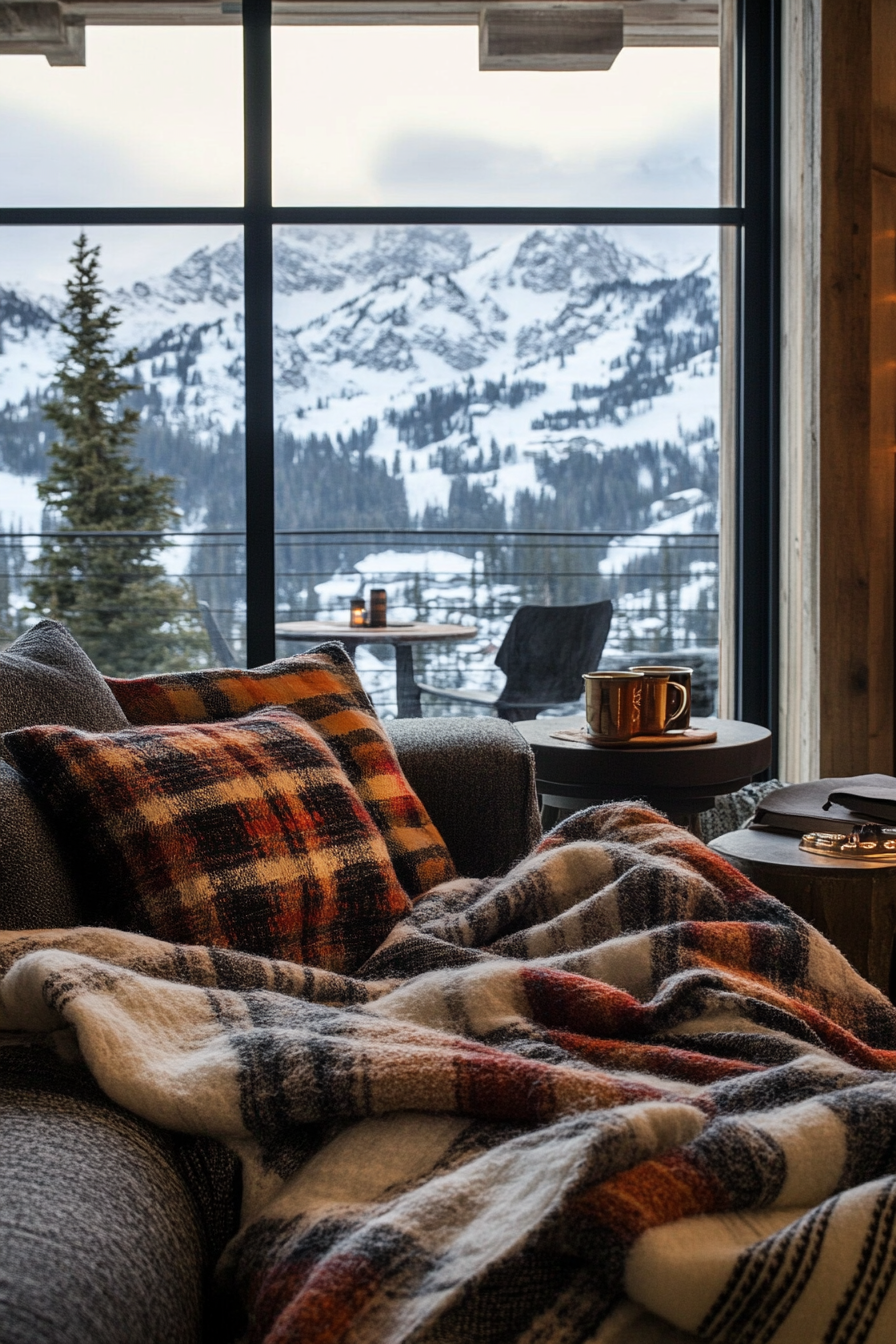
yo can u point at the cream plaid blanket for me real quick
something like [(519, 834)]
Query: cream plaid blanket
[(617, 1095)]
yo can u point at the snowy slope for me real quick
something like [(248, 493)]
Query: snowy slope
[(495, 358), (369, 319)]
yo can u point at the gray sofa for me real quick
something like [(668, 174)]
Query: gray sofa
[(110, 1227)]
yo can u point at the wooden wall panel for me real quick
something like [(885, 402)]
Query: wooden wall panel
[(838, 413), (844, 386), (882, 465), (882, 460)]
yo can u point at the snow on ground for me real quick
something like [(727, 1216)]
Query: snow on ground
[(21, 511), (20, 508)]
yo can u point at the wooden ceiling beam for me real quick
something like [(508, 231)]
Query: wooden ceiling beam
[(41, 28), (646, 22), (55, 28)]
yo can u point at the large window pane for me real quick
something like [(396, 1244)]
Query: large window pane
[(403, 116), (484, 416), (180, 295), (154, 118)]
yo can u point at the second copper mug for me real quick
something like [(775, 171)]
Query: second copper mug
[(663, 701), (613, 704), (682, 675)]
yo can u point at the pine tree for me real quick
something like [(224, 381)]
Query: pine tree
[(110, 590)]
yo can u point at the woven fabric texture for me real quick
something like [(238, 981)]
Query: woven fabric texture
[(323, 687), (46, 677), (109, 1224), (477, 779), (242, 834), (36, 887), (617, 1095)]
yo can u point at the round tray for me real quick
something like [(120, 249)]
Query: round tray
[(684, 737)]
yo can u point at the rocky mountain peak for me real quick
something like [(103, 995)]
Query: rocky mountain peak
[(571, 259), (212, 275), (326, 258), (400, 253), (20, 316)]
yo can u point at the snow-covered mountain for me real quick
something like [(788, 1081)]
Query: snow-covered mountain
[(602, 348), (477, 376)]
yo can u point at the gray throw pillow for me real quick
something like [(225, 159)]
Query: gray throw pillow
[(36, 891), (46, 677)]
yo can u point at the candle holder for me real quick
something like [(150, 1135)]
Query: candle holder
[(358, 613), (378, 607)]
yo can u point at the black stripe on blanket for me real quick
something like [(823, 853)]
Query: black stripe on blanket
[(767, 1281), (856, 1314)]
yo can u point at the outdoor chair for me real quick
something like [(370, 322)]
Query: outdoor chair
[(544, 654), (220, 648)]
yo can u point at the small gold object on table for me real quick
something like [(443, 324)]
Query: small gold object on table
[(663, 701), (358, 614), (874, 843)]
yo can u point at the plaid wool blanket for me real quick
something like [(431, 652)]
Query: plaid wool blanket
[(617, 1095)]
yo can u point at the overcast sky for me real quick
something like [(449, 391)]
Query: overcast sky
[(369, 115)]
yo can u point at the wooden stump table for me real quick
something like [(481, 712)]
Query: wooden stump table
[(851, 901)]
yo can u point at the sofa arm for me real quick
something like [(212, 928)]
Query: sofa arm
[(476, 778)]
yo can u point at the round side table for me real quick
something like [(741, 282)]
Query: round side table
[(852, 902), (680, 781)]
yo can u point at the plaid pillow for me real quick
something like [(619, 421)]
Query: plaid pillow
[(323, 687), (244, 834)]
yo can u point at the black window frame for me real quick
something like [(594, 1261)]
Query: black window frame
[(755, 216)]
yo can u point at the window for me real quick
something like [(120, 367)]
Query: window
[(481, 310), (153, 118), (179, 292), (404, 116), (486, 415)]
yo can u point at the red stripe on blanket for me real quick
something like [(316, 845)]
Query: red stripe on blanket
[(501, 1087), (649, 1195), (724, 877), (563, 1001), (664, 1060), (321, 1306), (571, 1002)]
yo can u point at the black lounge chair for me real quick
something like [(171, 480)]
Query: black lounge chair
[(544, 654)]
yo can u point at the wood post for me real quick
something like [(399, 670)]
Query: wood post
[(838, 388), (882, 489)]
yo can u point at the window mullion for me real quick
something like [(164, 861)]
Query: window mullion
[(258, 244), (757, 521)]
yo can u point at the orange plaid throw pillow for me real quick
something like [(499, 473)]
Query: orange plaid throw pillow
[(321, 686), (244, 834)]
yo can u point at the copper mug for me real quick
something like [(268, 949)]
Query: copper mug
[(662, 701), (682, 677), (613, 704)]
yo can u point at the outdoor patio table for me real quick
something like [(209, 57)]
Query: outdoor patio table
[(681, 781), (402, 637)]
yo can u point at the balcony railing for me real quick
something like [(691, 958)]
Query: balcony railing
[(663, 585)]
